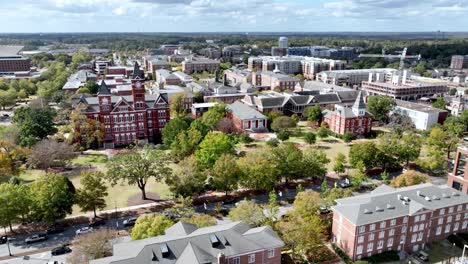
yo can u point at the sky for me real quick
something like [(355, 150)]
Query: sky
[(233, 15)]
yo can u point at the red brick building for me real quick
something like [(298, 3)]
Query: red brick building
[(126, 119), (355, 119), (458, 179), (405, 219), (246, 118), (11, 64)]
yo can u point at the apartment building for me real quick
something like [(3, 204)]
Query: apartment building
[(354, 77), (458, 179), (233, 243), (274, 80), (459, 62), (403, 219), (406, 90), (199, 64), (423, 116), (235, 75)]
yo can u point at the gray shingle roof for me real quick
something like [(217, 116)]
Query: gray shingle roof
[(234, 239), (386, 198), (359, 103), (243, 111), (103, 89)]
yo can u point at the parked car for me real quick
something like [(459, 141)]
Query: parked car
[(55, 229), (130, 221), (344, 184), (97, 222), (60, 250), (83, 230), (324, 209), (3, 240), (422, 256), (36, 238)]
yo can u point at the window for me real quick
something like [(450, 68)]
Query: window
[(450, 210), (390, 242), (393, 222), (383, 224), (455, 226), (236, 260), (362, 229), (360, 239), (421, 227), (370, 247), (380, 244), (381, 234), (402, 239), (251, 258), (271, 253), (391, 232), (420, 236), (439, 230), (442, 211), (405, 220), (423, 217), (465, 223), (440, 221), (416, 219), (403, 229), (415, 228), (458, 217), (359, 249), (465, 216), (371, 236), (413, 238), (449, 219), (459, 208), (372, 227), (447, 228)]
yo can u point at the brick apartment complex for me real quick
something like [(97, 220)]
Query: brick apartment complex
[(233, 243), (408, 91), (246, 118), (404, 219), (126, 119), (11, 64), (354, 77), (459, 62), (274, 80), (458, 179), (355, 120), (235, 75), (197, 64)]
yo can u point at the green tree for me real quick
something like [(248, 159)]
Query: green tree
[(358, 175), (91, 86), (310, 138), (186, 179), (379, 106), (433, 160), (445, 140), (213, 115), (385, 175), (186, 143), (34, 124), (52, 197), (91, 195), (81, 57), (173, 128), (200, 220), (283, 123), (225, 173), (7, 98), (11, 158), (409, 178), (248, 212), (287, 159), (439, 103), (137, 166), (348, 137), (313, 113), (177, 105), (315, 160), (212, 147), (87, 133), (283, 135), (366, 152), (323, 131), (330, 197), (258, 172), (15, 203), (150, 225), (273, 142), (340, 163)]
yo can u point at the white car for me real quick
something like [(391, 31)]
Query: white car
[(83, 230), (35, 238)]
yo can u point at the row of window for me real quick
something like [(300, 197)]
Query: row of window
[(251, 257)]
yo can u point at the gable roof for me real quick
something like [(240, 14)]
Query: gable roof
[(243, 111), (103, 89), (137, 72)]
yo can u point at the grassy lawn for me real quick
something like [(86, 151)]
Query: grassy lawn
[(90, 159)]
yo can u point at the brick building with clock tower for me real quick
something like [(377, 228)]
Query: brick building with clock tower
[(126, 119)]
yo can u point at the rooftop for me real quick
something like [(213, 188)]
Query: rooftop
[(418, 107), (243, 111), (10, 50)]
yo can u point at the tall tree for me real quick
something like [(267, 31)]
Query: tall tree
[(7, 98), (15, 203), (283, 123), (186, 143), (258, 172), (137, 166), (87, 133), (315, 161), (340, 163), (34, 123), (379, 106), (186, 179), (225, 173), (90, 197), (409, 178), (150, 225), (94, 245), (212, 147), (49, 153), (366, 152), (313, 113), (11, 157), (248, 212), (439, 103), (177, 104), (287, 159), (52, 197), (213, 115), (173, 128)]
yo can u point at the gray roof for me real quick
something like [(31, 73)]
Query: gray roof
[(418, 107), (243, 111), (359, 103), (92, 103), (103, 89), (384, 203), (331, 98), (137, 72), (196, 247)]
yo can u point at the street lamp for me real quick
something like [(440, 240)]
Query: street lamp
[(463, 254)]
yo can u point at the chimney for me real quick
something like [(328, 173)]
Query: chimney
[(221, 258)]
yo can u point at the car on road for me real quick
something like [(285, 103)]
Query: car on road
[(3, 240), (36, 238), (60, 250), (130, 221), (422, 256), (344, 184), (97, 222), (83, 230)]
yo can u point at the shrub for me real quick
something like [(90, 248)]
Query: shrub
[(272, 142), (244, 138), (283, 135)]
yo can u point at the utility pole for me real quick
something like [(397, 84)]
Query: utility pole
[(7, 242)]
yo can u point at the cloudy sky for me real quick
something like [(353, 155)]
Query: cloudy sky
[(232, 15)]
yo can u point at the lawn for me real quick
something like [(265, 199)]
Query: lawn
[(90, 159)]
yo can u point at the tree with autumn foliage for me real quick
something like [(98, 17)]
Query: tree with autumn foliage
[(87, 133)]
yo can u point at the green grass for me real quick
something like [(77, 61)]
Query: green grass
[(90, 159)]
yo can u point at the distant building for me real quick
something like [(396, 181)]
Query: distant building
[(355, 120), (423, 116), (274, 80), (246, 118), (101, 65), (166, 77), (169, 49), (354, 77), (459, 62), (405, 219), (235, 75), (78, 80), (458, 179), (198, 64), (233, 243), (211, 53), (14, 63), (200, 108), (283, 42), (277, 51)]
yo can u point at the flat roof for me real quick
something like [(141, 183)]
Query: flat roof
[(9, 50), (418, 107)]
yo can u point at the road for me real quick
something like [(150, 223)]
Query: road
[(40, 258)]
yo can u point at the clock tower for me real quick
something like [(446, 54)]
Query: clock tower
[(138, 88)]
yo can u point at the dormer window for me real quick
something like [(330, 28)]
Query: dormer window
[(164, 251)]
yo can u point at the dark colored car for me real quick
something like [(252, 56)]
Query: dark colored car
[(60, 250), (130, 221), (3, 240), (55, 229), (97, 222)]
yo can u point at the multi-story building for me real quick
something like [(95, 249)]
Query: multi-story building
[(299, 51), (283, 42), (459, 62), (11, 64), (405, 219), (274, 80), (233, 243), (423, 116), (354, 77), (458, 179), (406, 90), (235, 75), (232, 51), (277, 51), (126, 119), (312, 66), (199, 109), (246, 118), (198, 64), (354, 120), (166, 77), (211, 53), (169, 49), (101, 65)]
